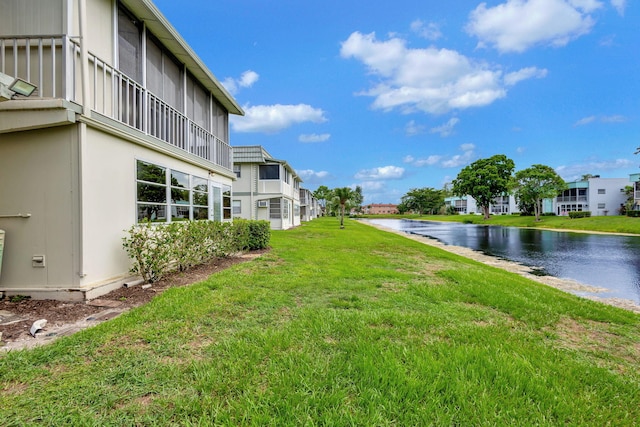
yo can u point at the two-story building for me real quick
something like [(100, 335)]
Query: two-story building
[(380, 209), (634, 181), (600, 196), (265, 188), (309, 205), (502, 205), (127, 125)]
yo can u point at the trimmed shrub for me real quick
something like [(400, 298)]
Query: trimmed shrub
[(259, 235), (155, 249), (634, 214), (582, 214)]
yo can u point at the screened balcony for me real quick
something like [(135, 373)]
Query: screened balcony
[(53, 64)]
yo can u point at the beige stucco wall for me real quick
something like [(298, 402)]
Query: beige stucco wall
[(100, 33), (38, 176), (109, 199), (76, 223)]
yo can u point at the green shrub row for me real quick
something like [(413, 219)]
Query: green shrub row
[(634, 214), (157, 249), (579, 214)]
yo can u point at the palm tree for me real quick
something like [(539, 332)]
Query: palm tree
[(343, 196)]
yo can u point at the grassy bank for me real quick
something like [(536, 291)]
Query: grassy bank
[(340, 327), (608, 224)]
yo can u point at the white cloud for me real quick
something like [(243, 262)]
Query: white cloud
[(619, 5), (613, 119), (573, 172), (247, 79), (309, 176), (309, 138), (431, 80), (468, 153), (274, 118), (518, 25), (412, 129), (510, 79), (381, 173), (371, 185), (430, 31), (447, 128), (520, 150), (585, 120), (616, 118)]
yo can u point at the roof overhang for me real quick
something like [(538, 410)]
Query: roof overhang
[(163, 30)]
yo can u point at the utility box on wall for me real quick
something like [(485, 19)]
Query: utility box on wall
[(1, 248)]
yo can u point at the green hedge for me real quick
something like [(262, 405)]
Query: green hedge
[(156, 249), (581, 214), (634, 214)]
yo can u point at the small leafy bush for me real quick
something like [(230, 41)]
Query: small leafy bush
[(582, 214), (259, 235), (155, 249), (634, 214)]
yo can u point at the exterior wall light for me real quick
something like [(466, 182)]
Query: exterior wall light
[(10, 86), (22, 87)]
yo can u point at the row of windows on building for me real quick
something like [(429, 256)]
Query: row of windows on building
[(166, 195)]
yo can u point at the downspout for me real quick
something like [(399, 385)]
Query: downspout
[(82, 127), (254, 207), (84, 57)]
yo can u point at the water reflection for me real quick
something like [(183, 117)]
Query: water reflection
[(606, 261)]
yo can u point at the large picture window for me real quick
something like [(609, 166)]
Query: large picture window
[(269, 172), (164, 195)]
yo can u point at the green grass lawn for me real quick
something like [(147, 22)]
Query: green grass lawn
[(609, 224), (340, 327)]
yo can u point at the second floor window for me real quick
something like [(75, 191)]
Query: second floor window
[(269, 172)]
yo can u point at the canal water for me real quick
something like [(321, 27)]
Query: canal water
[(606, 261)]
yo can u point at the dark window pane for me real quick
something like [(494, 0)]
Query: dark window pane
[(151, 173), (269, 171), (180, 213), (151, 193), (153, 213), (179, 197), (201, 199), (200, 213)]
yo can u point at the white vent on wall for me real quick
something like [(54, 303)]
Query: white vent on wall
[(263, 203)]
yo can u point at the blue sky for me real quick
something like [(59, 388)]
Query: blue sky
[(399, 95)]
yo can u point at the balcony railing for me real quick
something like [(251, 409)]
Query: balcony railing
[(572, 199), (53, 64)]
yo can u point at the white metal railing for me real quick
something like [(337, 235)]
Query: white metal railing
[(53, 64), (572, 198)]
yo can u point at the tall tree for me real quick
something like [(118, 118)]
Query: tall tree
[(536, 183), (484, 180), (423, 200), (358, 198), (343, 196), (323, 194)]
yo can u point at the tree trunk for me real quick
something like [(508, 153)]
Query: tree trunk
[(537, 207), (341, 216), (485, 209)]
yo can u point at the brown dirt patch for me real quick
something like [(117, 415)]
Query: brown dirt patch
[(63, 313)]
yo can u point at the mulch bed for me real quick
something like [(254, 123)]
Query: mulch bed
[(64, 312)]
